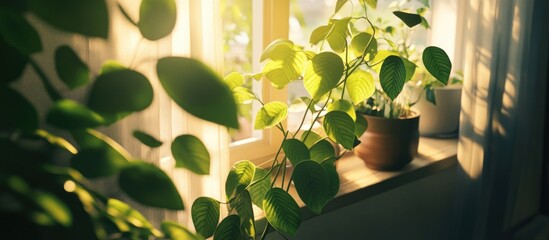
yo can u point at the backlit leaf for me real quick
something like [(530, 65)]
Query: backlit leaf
[(258, 190), (270, 114), (438, 63), (122, 211), (340, 127), (319, 34), (190, 153), (243, 95), (282, 211), (360, 86), (198, 90), (343, 106), (157, 18), (240, 176), (312, 184), (310, 138), (174, 231), (322, 74), (285, 65), (70, 68), (18, 32), (234, 80), (392, 76), (205, 215), (70, 115), (295, 150), (360, 46), (146, 139), (242, 205), (149, 185), (322, 150), (272, 46), (337, 37)]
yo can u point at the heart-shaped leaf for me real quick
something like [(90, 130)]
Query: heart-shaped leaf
[(282, 211), (198, 90), (322, 74), (286, 65), (174, 231), (340, 127), (228, 229), (295, 150), (239, 178), (242, 205), (89, 18), (205, 215), (149, 185), (360, 46), (270, 114), (312, 184), (319, 34), (157, 18), (71, 115), (322, 150), (337, 37), (438, 63), (360, 86), (70, 68), (18, 32), (190, 153), (234, 80), (16, 111), (147, 139), (270, 51), (258, 190), (410, 19), (392, 76)]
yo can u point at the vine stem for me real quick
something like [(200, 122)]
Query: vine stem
[(52, 92), (303, 118)]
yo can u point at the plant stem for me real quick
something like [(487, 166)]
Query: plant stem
[(317, 116), (303, 118), (276, 159), (52, 92)]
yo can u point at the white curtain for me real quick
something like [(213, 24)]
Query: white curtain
[(163, 119), (503, 104)]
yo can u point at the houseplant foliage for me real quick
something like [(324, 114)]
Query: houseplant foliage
[(44, 177)]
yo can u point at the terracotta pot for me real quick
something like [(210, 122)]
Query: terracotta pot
[(389, 144)]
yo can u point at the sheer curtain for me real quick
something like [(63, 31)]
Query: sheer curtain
[(500, 144)]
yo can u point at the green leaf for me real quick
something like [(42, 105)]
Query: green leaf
[(100, 156), (320, 34), (337, 37), (205, 214), (70, 68), (410, 19), (266, 54), (371, 3), (322, 74), (322, 150), (18, 32), (270, 114), (228, 229), (360, 86), (295, 150), (360, 46), (157, 18), (243, 95), (149, 185), (392, 76), (239, 178), (425, 23), (312, 184), (430, 96), (437, 63), (111, 66), (258, 190), (89, 18), (234, 80), (70, 115), (340, 127), (286, 65), (16, 111), (190, 153), (282, 211), (12, 61), (105, 95), (242, 204), (174, 231), (147, 139), (331, 171), (123, 211), (340, 4), (312, 138), (198, 90), (56, 141), (360, 126), (90, 138), (343, 106), (54, 207)]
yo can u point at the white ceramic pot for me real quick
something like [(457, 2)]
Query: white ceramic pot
[(442, 119)]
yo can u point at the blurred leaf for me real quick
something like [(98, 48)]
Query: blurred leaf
[(18, 32), (270, 114), (295, 150), (99, 161), (320, 33), (266, 54), (322, 150), (242, 204), (57, 141), (234, 80), (149, 185), (205, 215), (410, 19), (198, 90), (157, 18), (258, 190), (438, 63), (343, 106), (70, 115), (106, 99), (371, 3), (340, 127), (392, 76), (147, 139), (322, 74), (89, 18), (425, 23), (90, 138), (286, 65), (312, 184), (111, 66), (360, 86), (361, 125), (122, 211), (312, 138), (190, 153), (239, 178), (243, 95), (54, 207), (70, 68), (430, 96), (360, 46), (340, 4), (174, 231), (228, 229), (16, 111), (282, 211), (12, 61)]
